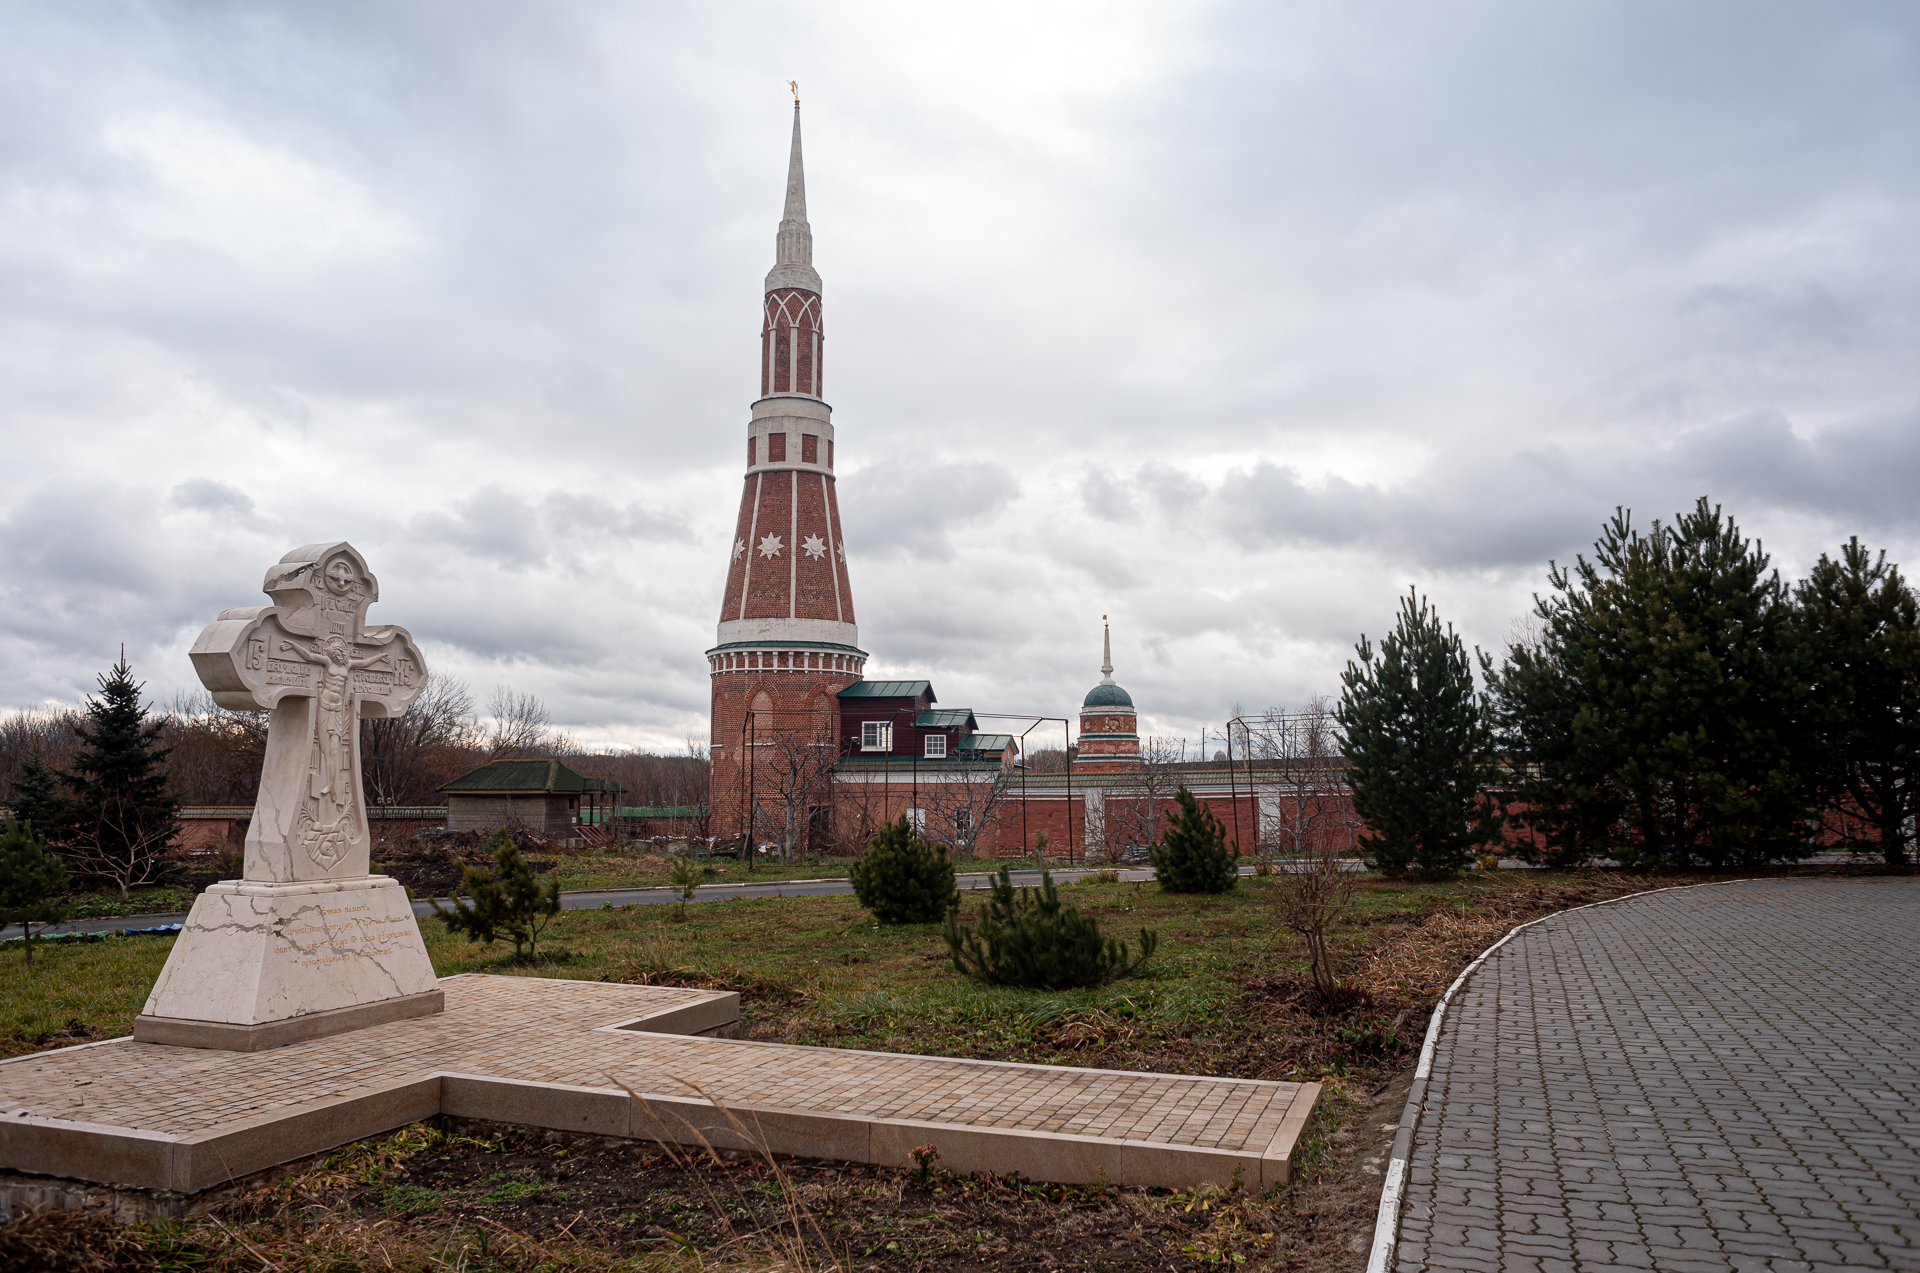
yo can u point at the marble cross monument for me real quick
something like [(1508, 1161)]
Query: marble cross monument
[(308, 943)]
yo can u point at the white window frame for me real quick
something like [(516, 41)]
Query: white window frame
[(936, 747), (876, 735)]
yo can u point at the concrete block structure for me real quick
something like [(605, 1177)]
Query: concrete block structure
[(544, 794)]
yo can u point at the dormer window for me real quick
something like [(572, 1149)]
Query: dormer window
[(876, 735), (936, 746)]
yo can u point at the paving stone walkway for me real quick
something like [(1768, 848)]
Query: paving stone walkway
[(1712, 1078), (566, 1054)]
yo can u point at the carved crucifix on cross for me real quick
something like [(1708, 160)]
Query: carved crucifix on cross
[(310, 661)]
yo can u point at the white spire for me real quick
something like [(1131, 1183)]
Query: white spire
[(1106, 652), (793, 245)]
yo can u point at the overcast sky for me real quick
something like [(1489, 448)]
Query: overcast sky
[(1230, 321)]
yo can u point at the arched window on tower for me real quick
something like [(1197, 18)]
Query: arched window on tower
[(825, 721)]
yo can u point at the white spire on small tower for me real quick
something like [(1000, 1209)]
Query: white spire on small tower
[(1106, 652), (793, 245)]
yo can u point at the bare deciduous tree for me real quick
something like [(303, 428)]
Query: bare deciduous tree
[(792, 791), (649, 780), (1294, 757), (46, 735), (214, 755), (406, 758), (1047, 760), (860, 810), (1311, 895), (961, 805), (1134, 804), (518, 725)]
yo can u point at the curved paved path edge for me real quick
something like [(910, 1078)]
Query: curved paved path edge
[(1386, 1228)]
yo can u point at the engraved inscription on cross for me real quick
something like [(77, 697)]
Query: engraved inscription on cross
[(310, 660)]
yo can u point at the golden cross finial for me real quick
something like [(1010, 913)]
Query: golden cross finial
[(795, 86)]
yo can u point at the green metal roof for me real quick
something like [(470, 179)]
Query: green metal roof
[(889, 689), (1104, 695), (985, 742), (515, 776), (946, 718)]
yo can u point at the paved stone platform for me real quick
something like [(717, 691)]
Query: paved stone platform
[(554, 1054), (1725, 1077)]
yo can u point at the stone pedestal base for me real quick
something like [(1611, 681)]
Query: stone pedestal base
[(273, 1034), (260, 965)]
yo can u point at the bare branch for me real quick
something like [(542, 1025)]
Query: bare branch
[(520, 725)]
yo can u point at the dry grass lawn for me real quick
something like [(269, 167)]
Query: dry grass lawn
[(1224, 995)]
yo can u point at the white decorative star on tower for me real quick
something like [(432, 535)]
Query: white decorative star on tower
[(816, 547), (739, 548), (841, 549), (770, 546)]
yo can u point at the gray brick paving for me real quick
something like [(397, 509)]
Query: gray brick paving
[(1705, 1079)]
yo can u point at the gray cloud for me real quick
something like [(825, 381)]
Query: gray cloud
[(1230, 322), (916, 506), (208, 495)]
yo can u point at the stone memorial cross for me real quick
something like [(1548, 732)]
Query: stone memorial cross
[(312, 662), (308, 942)]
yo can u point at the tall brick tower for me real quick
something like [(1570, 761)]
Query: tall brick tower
[(787, 640)]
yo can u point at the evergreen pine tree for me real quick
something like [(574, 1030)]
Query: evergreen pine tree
[(120, 818), (1659, 715), (32, 880), (1418, 747), (508, 900), (1861, 630), (903, 879), (1193, 855), (1029, 937), (37, 798)]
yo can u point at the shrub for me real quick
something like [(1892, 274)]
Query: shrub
[(902, 879), (1192, 855), (1029, 937), (685, 880), (1310, 897), (508, 899), (31, 879)]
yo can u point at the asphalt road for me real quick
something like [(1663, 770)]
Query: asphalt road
[(593, 899), (596, 898)]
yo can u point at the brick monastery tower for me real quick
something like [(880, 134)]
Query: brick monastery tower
[(787, 640), (1109, 735)]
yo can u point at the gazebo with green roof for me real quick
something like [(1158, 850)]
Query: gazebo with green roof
[(544, 794)]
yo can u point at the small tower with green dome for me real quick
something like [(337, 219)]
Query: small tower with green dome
[(1109, 729)]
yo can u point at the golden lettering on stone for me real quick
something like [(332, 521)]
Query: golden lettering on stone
[(313, 645)]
